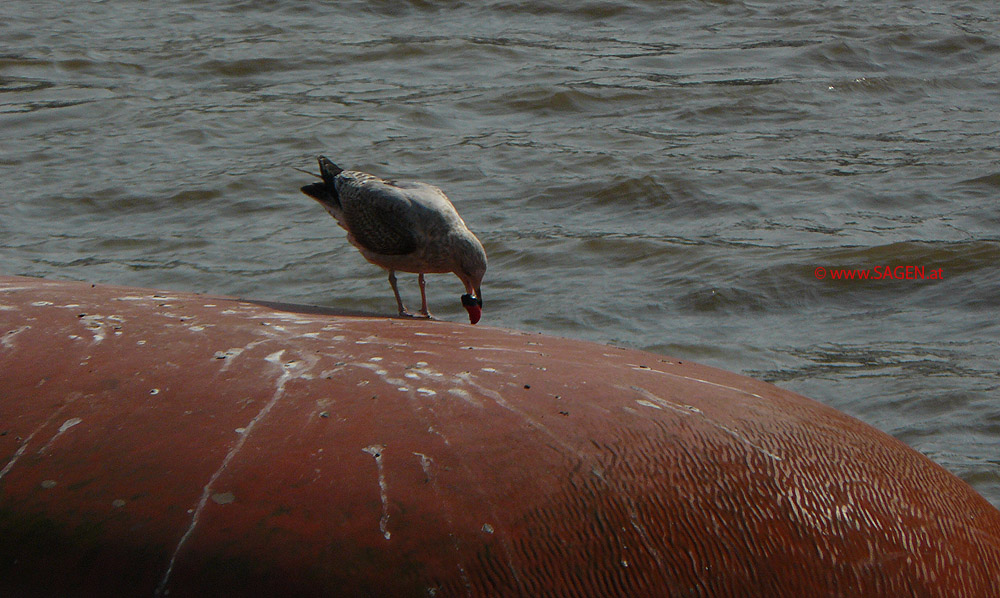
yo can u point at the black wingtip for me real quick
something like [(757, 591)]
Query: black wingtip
[(328, 170), (316, 191)]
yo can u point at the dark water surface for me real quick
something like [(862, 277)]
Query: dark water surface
[(663, 175)]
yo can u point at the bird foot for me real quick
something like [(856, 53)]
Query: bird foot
[(422, 315)]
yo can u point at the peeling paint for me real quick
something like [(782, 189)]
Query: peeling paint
[(97, 325), (223, 498), (7, 340), (230, 352)]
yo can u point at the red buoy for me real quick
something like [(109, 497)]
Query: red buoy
[(161, 443)]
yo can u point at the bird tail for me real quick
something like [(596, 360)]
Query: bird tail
[(326, 191)]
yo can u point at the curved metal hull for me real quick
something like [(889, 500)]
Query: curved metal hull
[(160, 443)]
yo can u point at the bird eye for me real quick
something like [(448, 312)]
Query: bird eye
[(468, 300)]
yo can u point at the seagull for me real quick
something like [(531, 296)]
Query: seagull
[(404, 226)]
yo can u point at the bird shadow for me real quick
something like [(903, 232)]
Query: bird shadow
[(300, 308)]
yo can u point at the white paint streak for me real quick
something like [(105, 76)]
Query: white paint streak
[(503, 349), (288, 371), (699, 380), (694, 411), (433, 430), (24, 445), (465, 396), (17, 455), (232, 353), (286, 317), (466, 377), (69, 423), (376, 451), (488, 500), (664, 403), (647, 541), (426, 464)]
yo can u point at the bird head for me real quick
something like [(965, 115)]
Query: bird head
[(471, 258), (474, 305)]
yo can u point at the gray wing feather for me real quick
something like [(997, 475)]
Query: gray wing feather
[(378, 216)]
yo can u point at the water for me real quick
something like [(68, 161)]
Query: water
[(662, 175)]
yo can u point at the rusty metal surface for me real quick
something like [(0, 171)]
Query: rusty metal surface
[(160, 443)]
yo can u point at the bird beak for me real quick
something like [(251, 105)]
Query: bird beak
[(473, 305)]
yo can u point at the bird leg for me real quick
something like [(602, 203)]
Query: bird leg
[(423, 296), (399, 300)]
